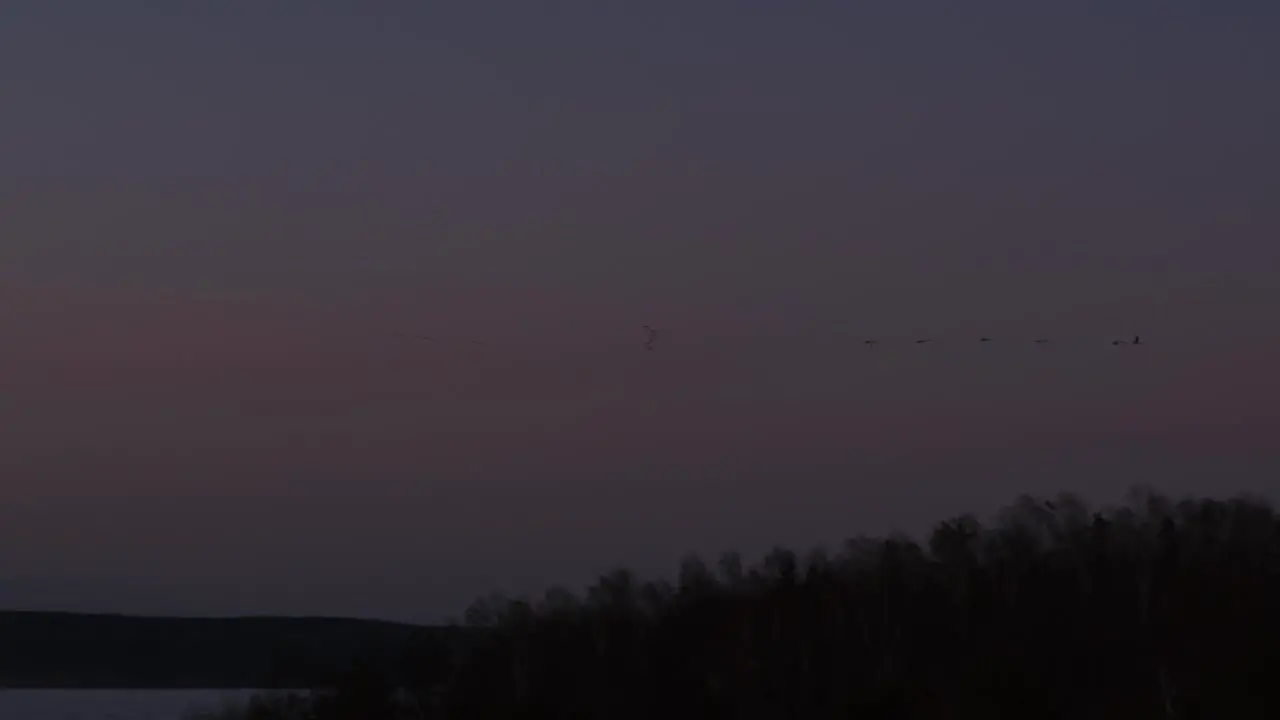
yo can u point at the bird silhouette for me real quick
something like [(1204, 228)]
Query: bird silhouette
[(984, 339), (871, 344), (921, 342), (1042, 341), (1137, 340), (1119, 342), (650, 337), (432, 338)]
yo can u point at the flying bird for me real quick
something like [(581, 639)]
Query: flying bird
[(921, 342), (1042, 341), (650, 336), (1119, 342), (1137, 340), (413, 336), (984, 339), (871, 344)]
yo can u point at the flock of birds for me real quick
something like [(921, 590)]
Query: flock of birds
[(1137, 340), (651, 339)]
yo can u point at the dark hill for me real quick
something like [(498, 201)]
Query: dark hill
[(69, 650)]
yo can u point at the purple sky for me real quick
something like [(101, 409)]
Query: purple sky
[(215, 213)]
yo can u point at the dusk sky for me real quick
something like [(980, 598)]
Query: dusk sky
[(214, 216)]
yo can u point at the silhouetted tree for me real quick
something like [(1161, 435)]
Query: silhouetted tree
[(1154, 609)]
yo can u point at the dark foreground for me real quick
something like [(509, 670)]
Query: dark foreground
[(1160, 609), (45, 650)]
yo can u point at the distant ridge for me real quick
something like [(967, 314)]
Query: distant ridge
[(79, 650)]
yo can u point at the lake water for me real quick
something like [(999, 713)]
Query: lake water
[(114, 704)]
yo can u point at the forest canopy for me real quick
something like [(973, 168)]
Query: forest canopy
[(1156, 608)]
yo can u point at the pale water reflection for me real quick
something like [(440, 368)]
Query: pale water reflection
[(116, 704)]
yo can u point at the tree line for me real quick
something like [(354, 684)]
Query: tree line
[(1153, 609)]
